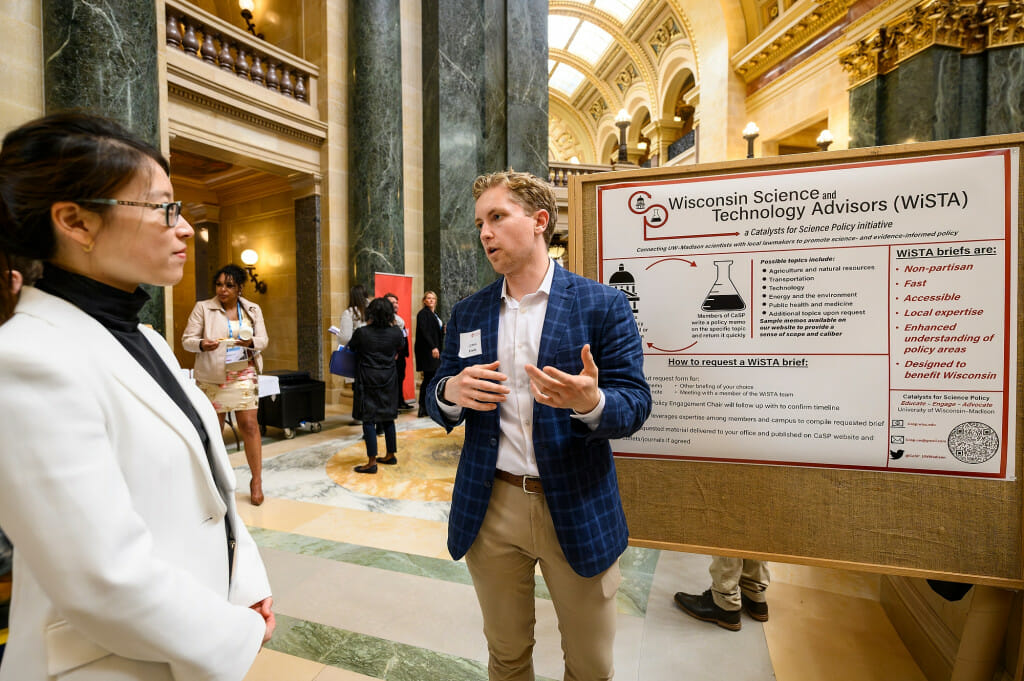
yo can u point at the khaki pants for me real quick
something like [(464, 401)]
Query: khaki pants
[(516, 535), (730, 576)]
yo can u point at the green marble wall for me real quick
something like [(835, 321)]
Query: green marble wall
[(485, 108), (973, 94), (1004, 108), (101, 57), (527, 86), (864, 103), (376, 210), (940, 94)]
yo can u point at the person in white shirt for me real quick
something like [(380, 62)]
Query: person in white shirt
[(544, 367)]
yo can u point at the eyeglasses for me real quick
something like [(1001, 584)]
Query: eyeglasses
[(172, 209)]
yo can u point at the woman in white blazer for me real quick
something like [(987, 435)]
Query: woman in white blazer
[(130, 559)]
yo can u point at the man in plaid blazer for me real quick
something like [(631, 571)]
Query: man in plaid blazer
[(544, 367)]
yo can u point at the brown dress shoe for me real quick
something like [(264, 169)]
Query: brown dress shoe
[(757, 610), (703, 608)]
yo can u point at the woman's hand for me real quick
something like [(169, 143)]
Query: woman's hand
[(264, 609), (206, 345)]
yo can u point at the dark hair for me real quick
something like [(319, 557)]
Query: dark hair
[(7, 298), (29, 269), (392, 295), (358, 299), (380, 313), (237, 274), (62, 157)]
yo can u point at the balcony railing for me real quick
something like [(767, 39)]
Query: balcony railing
[(559, 172), (221, 45), (682, 144)]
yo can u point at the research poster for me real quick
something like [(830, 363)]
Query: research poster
[(859, 315)]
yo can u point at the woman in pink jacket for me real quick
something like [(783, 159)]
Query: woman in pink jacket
[(229, 334)]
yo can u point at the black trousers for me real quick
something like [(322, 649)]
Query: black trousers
[(428, 376)]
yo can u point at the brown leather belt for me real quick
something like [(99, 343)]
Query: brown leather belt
[(527, 483)]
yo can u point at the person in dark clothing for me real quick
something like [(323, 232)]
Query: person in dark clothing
[(374, 398), (400, 359), (429, 339)]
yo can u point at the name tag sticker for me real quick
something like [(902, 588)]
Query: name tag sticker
[(469, 344), (234, 354)]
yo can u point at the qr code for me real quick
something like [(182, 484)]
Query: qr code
[(973, 442)]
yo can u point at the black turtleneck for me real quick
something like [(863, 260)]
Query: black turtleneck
[(118, 312)]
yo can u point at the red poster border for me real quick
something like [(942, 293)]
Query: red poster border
[(1005, 153)]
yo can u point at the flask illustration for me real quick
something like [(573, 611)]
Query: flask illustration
[(723, 295)]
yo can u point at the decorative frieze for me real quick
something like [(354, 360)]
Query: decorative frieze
[(792, 37), (626, 77), (598, 108), (664, 35), (1005, 23), (562, 144), (971, 26)]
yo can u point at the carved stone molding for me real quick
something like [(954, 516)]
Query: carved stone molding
[(793, 37), (626, 77), (598, 108), (971, 26), (207, 102), (1005, 23), (664, 35), (561, 142), (861, 59)]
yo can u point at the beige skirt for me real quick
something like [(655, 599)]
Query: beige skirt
[(238, 392)]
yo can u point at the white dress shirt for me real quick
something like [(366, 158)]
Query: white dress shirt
[(520, 324)]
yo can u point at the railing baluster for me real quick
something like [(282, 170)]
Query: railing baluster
[(272, 82), (241, 65), (224, 56), (189, 42), (208, 51), (173, 31), (286, 81), (257, 70), (209, 38)]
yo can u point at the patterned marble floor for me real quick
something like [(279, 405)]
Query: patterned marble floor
[(364, 587)]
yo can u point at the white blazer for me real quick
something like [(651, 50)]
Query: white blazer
[(120, 560)]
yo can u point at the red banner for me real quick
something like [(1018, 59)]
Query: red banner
[(401, 286)]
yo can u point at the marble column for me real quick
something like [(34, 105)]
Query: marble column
[(973, 78), (376, 212), (1005, 90), (309, 285), (102, 57), (921, 98), (485, 108), (864, 131), (527, 85)]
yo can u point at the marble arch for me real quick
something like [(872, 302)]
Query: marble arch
[(612, 25), (587, 69)]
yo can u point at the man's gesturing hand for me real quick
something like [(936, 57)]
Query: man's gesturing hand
[(477, 387), (564, 391)]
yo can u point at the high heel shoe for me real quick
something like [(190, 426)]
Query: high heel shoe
[(255, 492)]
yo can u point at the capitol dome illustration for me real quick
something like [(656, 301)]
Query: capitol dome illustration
[(625, 282)]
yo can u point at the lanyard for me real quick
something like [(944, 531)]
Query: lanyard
[(230, 332)]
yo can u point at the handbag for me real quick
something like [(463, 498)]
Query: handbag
[(343, 362)]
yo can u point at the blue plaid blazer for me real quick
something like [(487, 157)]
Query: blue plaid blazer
[(575, 463)]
